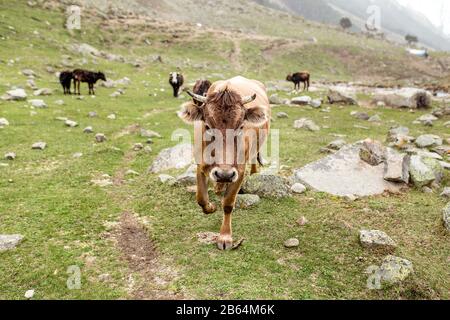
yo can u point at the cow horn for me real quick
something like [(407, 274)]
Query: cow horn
[(197, 97), (248, 99)]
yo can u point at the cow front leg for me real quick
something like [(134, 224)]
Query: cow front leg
[(202, 194), (225, 239)]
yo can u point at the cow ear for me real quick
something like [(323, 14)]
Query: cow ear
[(190, 113), (255, 116)]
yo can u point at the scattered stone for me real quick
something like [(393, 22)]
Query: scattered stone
[(167, 179), (71, 124), (375, 239), (15, 95), (104, 277), (188, 178), (138, 147), (302, 221), (88, 130), (423, 171), (149, 134), (303, 100), (337, 144), (60, 102), (39, 146), (275, 99), (28, 73), (335, 96), (396, 132), (316, 103), (372, 152), (102, 183), (427, 190), (282, 115), (37, 103), (446, 217), (29, 294), (397, 167), (43, 92), (405, 98), (344, 173), (92, 114), (298, 188), (10, 156), (427, 119), (77, 155), (350, 198), (446, 193), (394, 270), (305, 123), (292, 243), (112, 116), (428, 141), (3, 122), (147, 149), (100, 137), (131, 173), (266, 186), (360, 115), (8, 242), (176, 157), (375, 118), (244, 201)]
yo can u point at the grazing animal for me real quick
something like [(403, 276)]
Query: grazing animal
[(87, 76), (65, 78), (201, 88), (234, 116), (298, 78), (176, 81)]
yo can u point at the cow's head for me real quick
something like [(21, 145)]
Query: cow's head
[(101, 76), (289, 77), (173, 77), (221, 113)]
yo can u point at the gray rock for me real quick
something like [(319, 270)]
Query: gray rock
[(275, 99), (3, 122), (396, 132), (100, 137), (335, 96), (316, 103), (405, 98), (176, 157), (446, 193), (60, 102), (344, 173), (298, 188), (167, 179), (397, 167), (375, 239), (266, 186), (446, 217), (424, 171), (29, 294), (37, 103), (43, 92), (28, 72), (282, 115), (427, 118), (112, 116), (8, 242), (305, 123), (149, 134), (71, 124), (375, 118), (394, 270), (372, 152), (303, 100), (15, 95), (292, 243), (244, 201), (427, 190), (428, 141), (337, 144), (88, 130), (39, 146), (189, 178), (138, 147), (10, 156), (93, 114), (77, 155), (361, 115)]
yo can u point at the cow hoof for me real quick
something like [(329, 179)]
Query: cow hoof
[(210, 208), (225, 242)]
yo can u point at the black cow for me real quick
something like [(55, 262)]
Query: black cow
[(65, 78), (176, 81), (298, 78)]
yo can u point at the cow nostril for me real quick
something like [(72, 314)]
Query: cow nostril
[(216, 174), (233, 174)]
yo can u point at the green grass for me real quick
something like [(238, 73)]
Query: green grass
[(47, 195)]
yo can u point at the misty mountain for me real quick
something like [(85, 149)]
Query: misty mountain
[(396, 20)]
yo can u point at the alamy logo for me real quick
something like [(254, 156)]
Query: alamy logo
[(73, 21)]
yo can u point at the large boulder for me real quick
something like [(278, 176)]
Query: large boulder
[(270, 186), (339, 97), (177, 157), (344, 173), (393, 270), (372, 152), (424, 170), (396, 167), (405, 98)]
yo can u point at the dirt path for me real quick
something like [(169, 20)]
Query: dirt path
[(235, 55), (148, 276)]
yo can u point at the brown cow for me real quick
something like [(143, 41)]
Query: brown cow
[(298, 78), (201, 88), (239, 106)]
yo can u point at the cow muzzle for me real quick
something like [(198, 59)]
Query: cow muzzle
[(220, 175)]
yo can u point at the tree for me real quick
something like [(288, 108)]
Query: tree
[(346, 23), (411, 39)]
